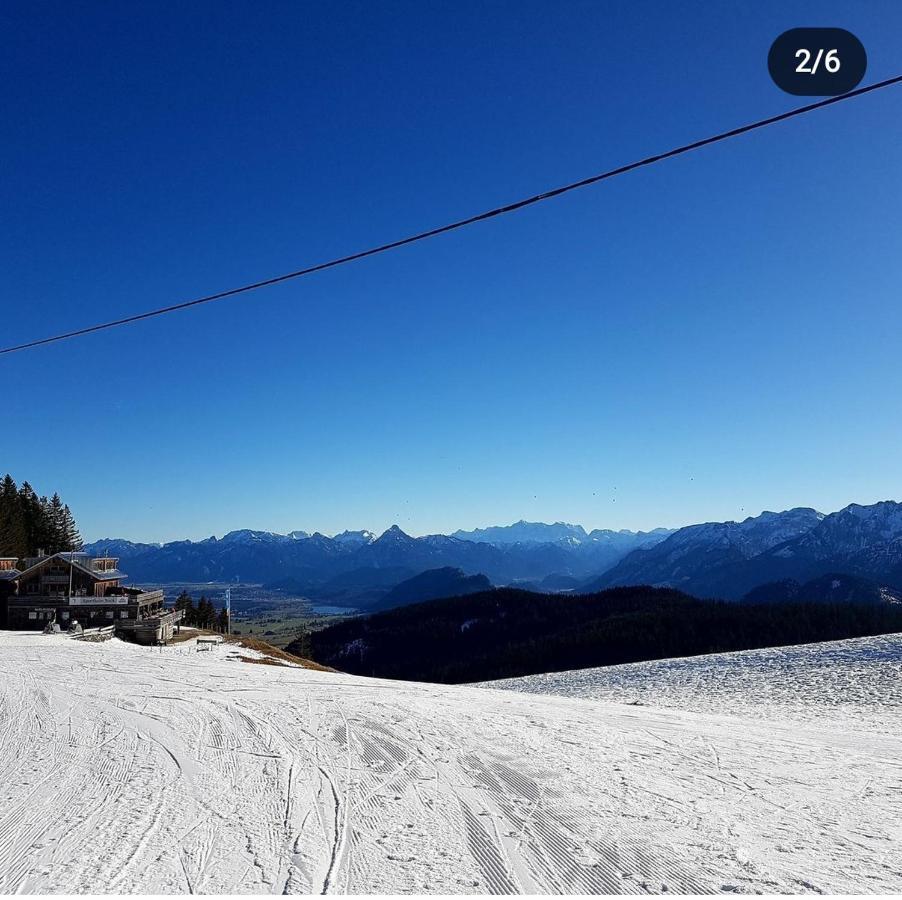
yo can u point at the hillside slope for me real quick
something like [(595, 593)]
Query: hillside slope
[(857, 680), (702, 559), (431, 585), (729, 559), (830, 588), (505, 632), (136, 771)]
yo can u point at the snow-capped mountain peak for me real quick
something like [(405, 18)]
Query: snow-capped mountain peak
[(355, 537), (524, 532)]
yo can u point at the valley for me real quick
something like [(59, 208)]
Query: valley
[(259, 611)]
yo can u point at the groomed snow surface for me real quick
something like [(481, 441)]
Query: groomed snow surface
[(126, 769)]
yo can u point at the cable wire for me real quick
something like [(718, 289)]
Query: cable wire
[(461, 223)]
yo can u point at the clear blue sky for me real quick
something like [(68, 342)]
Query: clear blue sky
[(700, 340)]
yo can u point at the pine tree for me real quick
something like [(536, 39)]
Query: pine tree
[(13, 533), (29, 523), (222, 621), (206, 614), (71, 536), (300, 646), (46, 537), (34, 519), (186, 604), (54, 524)]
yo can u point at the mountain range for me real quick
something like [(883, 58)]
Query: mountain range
[(729, 559), (715, 559), (523, 532), (317, 565)]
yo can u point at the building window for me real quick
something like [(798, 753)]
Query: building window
[(110, 614), (65, 615), (32, 615)]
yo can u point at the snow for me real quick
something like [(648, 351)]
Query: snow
[(833, 685), (136, 770)]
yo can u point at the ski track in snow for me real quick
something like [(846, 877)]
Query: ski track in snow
[(131, 770)]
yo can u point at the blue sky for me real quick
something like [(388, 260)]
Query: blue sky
[(699, 340)]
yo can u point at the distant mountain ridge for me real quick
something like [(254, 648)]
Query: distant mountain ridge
[(728, 559), (693, 557), (715, 559), (524, 532), (310, 562)]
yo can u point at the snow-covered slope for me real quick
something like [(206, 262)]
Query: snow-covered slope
[(136, 770), (832, 684)]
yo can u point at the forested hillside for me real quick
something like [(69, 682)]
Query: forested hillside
[(433, 585), (504, 633), (29, 523)]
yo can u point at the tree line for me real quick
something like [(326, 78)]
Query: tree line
[(29, 523), (202, 615), (505, 632)]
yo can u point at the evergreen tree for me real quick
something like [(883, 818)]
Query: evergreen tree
[(186, 604), (206, 614), (222, 621), (71, 536), (34, 518), (13, 533), (54, 524), (300, 646), (29, 523)]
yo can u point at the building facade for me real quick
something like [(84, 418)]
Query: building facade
[(73, 587), (8, 575)]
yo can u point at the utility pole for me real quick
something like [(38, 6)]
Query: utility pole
[(228, 604)]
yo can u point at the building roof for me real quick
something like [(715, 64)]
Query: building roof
[(78, 561), (9, 574)]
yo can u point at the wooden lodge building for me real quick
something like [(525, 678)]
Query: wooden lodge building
[(71, 587)]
